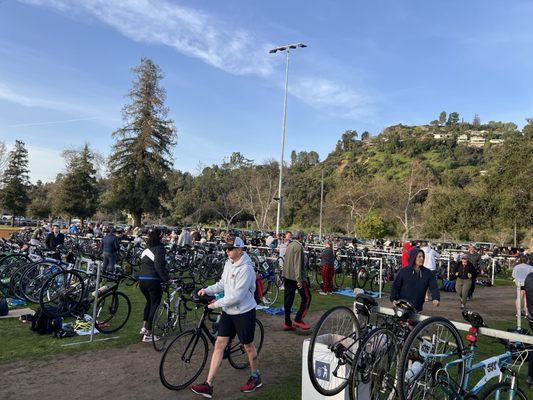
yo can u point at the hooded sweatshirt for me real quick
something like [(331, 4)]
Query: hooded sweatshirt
[(238, 284), (405, 254), (412, 286)]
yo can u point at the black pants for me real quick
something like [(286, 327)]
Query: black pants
[(153, 292), (305, 293), (110, 259)]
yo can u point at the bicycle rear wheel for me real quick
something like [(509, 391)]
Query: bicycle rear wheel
[(374, 367), (113, 311), (431, 345), (332, 350), (184, 360), (62, 293), (237, 356), (501, 391)]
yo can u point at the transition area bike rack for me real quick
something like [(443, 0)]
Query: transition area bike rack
[(90, 267)]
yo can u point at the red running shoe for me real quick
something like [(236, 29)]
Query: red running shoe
[(302, 325), (287, 327), (203, 389), (251, 384)]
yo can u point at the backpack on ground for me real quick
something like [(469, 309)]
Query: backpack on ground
[(43, 324)]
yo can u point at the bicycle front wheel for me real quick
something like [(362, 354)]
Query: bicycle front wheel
[(431, 345), (183, 360), (113, 311), (502, 391), (332, 350), (162, 327)]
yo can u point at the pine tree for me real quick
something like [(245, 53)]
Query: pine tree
[(15, 182), (78, 194), (142, 155)]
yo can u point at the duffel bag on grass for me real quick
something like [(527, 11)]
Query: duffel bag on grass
[(43, 324)]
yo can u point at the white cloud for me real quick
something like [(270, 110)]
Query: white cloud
[(191, 32), (200, 35), (332, 97)]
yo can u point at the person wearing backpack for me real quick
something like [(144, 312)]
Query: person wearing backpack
[(238, 283)]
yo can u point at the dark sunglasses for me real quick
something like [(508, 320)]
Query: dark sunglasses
[(229, 248)]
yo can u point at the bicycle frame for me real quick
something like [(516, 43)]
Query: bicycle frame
[(493, 367)]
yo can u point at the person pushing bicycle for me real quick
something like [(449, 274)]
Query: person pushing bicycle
[(238, 315)]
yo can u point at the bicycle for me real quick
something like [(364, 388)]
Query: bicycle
[(173, 314), (186, 356), (435, 364), (69, 293)]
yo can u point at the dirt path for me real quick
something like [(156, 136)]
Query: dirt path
[(132, 372)]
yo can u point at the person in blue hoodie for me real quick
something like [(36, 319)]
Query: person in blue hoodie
[(414, 281)]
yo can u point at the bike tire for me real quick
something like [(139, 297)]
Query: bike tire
[(323, 334), (173, 362), (62, 293), (118, 307), (496, 390), (375, 364), (160, 327), (412, 350), (237, 356)]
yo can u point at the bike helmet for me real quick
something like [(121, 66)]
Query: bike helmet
[(473, 318)]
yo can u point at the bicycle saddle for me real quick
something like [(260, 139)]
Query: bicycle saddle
[(364, 304), (473, 318), (403, 309), (201, 299)]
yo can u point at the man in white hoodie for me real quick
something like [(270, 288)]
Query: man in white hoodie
[(238, 314)]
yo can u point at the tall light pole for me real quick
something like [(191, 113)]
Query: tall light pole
[(288, 49), (321, 205)]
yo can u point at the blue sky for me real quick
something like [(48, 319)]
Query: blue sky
[(65, 70)]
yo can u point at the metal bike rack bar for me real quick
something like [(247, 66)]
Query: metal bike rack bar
[(462, 326)]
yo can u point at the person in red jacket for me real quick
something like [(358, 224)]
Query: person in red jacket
[(407, 247)]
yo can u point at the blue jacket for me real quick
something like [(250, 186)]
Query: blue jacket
[(412, 286), (110, 244)]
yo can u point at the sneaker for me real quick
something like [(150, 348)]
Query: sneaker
[(251, 384), (203, 389), (302, 325), (322, 293), (147, 338), (462, 306), (143, 331), (287, 327)]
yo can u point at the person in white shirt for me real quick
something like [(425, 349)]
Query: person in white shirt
[(238, 314), (430, 261)]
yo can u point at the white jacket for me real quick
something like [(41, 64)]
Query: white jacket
[(238, 284)]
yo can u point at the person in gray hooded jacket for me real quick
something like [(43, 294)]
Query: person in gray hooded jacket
[(238, 314)]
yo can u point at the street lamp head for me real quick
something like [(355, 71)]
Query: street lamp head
[(288, 47)]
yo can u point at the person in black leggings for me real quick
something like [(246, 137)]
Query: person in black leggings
[(153, 273)]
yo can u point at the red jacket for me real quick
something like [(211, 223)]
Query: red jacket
[(405, 254)]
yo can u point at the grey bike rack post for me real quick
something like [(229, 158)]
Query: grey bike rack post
[(95, 307)]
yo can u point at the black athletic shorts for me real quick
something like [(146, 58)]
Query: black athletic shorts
[(241, 324)]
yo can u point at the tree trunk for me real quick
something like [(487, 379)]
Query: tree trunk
[(137, 217), (13, 220)]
